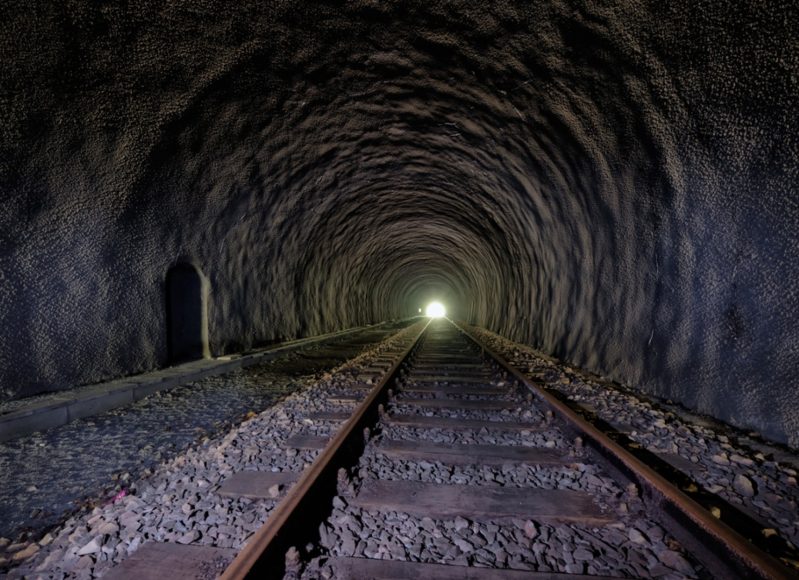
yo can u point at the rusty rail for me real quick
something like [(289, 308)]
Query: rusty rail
[(287, 526), (724, 551)]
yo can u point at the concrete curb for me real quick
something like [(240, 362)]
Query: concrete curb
[(65, 407)]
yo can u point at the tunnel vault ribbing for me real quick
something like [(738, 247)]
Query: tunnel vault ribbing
[(613, 184)]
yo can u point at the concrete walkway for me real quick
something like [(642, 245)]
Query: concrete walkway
[(40, 412)]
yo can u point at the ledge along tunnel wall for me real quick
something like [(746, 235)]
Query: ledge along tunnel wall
[(613, 184)]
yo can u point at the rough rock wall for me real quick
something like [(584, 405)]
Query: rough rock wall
[(614, 183)]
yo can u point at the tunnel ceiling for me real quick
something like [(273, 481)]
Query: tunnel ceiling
[(613, 183)]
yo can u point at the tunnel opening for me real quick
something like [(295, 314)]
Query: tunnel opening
[(186, 313), (435, 310)]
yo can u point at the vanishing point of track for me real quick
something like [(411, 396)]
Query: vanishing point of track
[(443, 370)]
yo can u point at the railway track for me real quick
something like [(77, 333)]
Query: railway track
[(138, 453), (455, 466)]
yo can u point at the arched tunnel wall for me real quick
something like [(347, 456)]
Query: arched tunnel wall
[(614, 184)]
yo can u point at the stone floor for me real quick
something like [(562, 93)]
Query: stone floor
[(757, 477), (49, 474), (186, 437), (175, 501)]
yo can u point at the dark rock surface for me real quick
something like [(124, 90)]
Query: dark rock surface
[(613, 184)]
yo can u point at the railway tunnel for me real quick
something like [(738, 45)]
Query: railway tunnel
[(610, 186)]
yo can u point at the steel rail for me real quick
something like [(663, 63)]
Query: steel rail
[(725, 552), (287, 525)]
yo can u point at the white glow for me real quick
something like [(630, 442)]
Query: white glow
[(435, 310)]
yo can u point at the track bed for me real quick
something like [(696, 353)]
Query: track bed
[(452, 467), (429, 457)]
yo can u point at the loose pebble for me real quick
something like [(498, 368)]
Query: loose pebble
[(176, 447), (726, 461)]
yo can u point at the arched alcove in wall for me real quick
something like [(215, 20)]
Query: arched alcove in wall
[(186, 313)]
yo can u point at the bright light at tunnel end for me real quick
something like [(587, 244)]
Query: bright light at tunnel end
[(435, 310)]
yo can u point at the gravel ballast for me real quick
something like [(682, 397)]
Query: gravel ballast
[(628, 544), (175, 500), (738, 466), (173, 449)]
